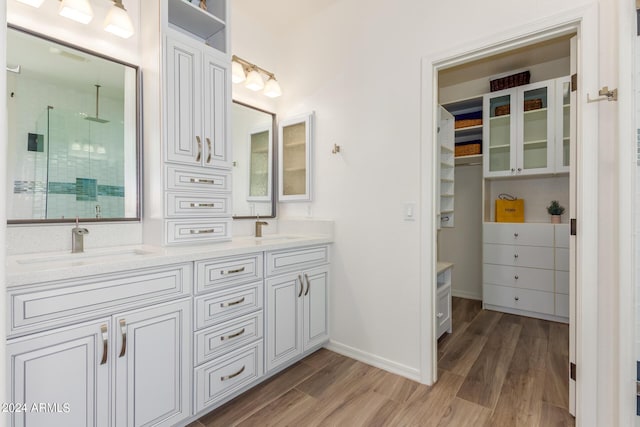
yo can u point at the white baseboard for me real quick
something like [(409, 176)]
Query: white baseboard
[(465, 294), (373, 360)]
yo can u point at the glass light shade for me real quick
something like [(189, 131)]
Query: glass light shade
[(254, 81), (118, 22), (272, 88), (237, 72), (77, 10), (34, 3)]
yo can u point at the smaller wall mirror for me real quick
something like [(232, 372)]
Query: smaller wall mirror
[(295, 136), (73, 133), (253, 161)]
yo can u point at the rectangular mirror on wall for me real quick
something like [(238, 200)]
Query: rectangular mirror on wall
[(252, 132), (73, 133), (295, 158)]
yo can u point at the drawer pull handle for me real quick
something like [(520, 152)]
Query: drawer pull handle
[(516, 277), (237, 270), (208, 150), (203, 205), (229, 304), (123, 331), (515, 235), (301, 286), (206, 231), (517, 298), (202, 181), (199, 156), (228, 377), (237, 334), (515, 255), (439, 315), (105, 344), (306, 277)]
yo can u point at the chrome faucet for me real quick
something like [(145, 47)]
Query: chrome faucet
[(77, 238), (259, 225)]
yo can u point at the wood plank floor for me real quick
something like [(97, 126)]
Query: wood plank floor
[(495, 369)]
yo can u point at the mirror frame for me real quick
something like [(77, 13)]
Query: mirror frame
[(138, 120), (274, 159)]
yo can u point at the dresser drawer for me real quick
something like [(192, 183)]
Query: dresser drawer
[(518, 234), (218, 273), (519, 277), (520, 299), (562, 305), (183, 231), (443, 311), (225, 375), (216, 340), (198, 205), (295, 259), (196, 179), (521, 256), (562, 259), (562, 282), (58, 303), (226, 304)]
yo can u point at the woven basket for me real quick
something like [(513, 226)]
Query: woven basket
[(468, 149), (502, 110), (513, 80), (532, 104), (459, 124)]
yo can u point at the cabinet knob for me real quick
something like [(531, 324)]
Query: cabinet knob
[(519, 169), (439, 315), (513, 170), (515, 255), (517, 298), (516, 277), (515, 235)]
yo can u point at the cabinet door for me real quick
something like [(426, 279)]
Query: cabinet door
[(185, 142), (563, 125), (536, 136), (284, 319), (152, 365), (316, 295), (499, 133), (68, 369), (295, 137), (216, 150)]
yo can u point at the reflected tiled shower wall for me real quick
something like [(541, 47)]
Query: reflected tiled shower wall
[(81, 162)]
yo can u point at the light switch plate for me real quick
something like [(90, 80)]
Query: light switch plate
[(410, 211)]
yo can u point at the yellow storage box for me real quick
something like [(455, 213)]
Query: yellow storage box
[(509, 210)]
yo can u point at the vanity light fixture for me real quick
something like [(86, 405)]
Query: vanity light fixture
[(34, 3), (118, 21), (254, 77), (77, 10)]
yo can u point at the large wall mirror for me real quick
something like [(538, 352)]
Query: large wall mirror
[(253, 132), (73, 133)]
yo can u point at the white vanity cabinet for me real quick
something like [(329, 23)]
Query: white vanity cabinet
[(443, 295), (114, 347), (297, 298)]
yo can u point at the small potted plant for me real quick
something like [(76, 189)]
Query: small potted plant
[(555, 210)]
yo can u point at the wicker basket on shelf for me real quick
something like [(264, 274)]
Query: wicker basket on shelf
[(468, 148)]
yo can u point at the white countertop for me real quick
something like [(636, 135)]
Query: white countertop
[(52, 266), (442, 266)]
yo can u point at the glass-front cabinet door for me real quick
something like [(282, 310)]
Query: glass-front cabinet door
[(535, 152), (499, 133), (563, 129)]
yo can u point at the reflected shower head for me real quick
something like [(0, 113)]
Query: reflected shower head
[(97, 118)]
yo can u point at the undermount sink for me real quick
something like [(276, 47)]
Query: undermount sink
[(82, 258)]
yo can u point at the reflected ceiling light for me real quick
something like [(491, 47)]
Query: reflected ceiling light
[(34, 3), (77, 10), (118, 21), (254, 79)]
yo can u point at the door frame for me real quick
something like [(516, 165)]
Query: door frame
[(584, 22)]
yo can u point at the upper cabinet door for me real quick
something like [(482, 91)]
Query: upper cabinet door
[(295, 146), (499, 133), (216, 150), (563, 127), (184, 115), (535, 149)]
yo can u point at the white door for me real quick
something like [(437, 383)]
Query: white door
[(573, 191), (316, 322), (152, 364), (216, 150), (68, 369), (284, 318), (183, 66)]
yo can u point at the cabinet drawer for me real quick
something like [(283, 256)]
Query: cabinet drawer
[(296, 259), (224, 305), (214, 341), (562, 282), (562, 259), (522, 256), (562, 305), (518, 277), (181, 231), (562, 235), (520, 299), (217, 273), (518, 234), (225, 375), (196, 179), (59, 303), (198, 205), (443, 314)]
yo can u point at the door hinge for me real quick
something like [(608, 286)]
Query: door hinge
[(574, 227), (574, 82), (572, 371)]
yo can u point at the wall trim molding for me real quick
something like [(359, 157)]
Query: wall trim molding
[(465, 294)]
